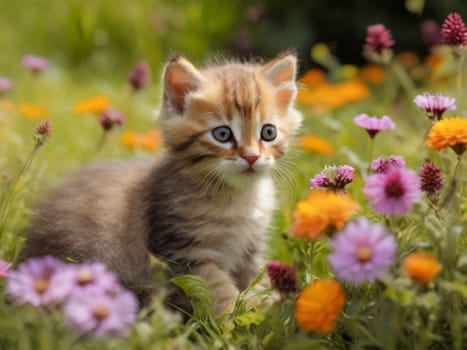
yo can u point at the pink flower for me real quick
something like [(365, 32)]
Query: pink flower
[(333, 177), (93, 277), (393, 192), (139, 76), (431, 33), (35, 63), (102, 314), (435, 105), (431, 180), (382, 164), (109, 118), (454, 31), (362, 251), (5, 84), (374, 125), (40, 281), (4, 268), (283, 277), (378, 39)]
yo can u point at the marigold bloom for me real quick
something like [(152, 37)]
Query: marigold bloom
[(421, 267), (313, 78), (374, 125), (431, 180), (321, 210), (454, 30), (362, 251), (33, 112), (314, 144), (93, 105), (283, 277), (372, 73), (139, 76), (449, 132), (435, 105), (378, 39), (333, 177), (319, 305), (383, 164), (150, 141)]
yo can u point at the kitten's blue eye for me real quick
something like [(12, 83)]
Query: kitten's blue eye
[(222, 134), (268, 132)]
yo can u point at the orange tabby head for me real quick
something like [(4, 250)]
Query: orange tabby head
[(234, 119)]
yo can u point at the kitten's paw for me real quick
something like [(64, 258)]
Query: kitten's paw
[(224, 300)]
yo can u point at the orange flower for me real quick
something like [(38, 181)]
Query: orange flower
[(313, 78), (315, 144), (322, 209), (450, 132), (33, 112), (421, 267), (150, 141), (319, 305), (408, 59), (93, 105), (7, 105), (372, 73)]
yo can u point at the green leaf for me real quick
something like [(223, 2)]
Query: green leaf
[(198, 292)]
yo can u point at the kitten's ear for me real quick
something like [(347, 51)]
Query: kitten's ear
[(281, 72), (180, 78)]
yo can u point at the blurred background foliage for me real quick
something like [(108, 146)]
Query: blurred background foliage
[(105, 37)]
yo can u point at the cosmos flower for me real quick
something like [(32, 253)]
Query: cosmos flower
[(35, 63), (393, 192), (102, 314), (139, 76), (93, 278), (4, 268), (334, 177), (431, 180), (109, 118), (374, 125), (40, 281), (449, 132), (421, 267), (319, 305), (435, 105), (378, 39), (5, 84), (283, 277), (454, 30), (320, 211), (362, 251), (382, 164)]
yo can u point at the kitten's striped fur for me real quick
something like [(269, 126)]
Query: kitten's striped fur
[(206, 205)]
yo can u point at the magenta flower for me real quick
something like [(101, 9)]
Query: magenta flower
[(93, 278), (35, 63), (4, 268), (431, 180), (139, 76), (109, 118), (283, 277), (40, 281), (374, 125), (382, 164), (333, 177), (5, 84), (362, 251), (378, 39), (435, 105), (393, 192), (101, 314), (430, 33), (454, 31)]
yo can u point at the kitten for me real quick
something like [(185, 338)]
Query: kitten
[(206, 205)]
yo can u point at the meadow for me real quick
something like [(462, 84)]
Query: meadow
[(369, 244)]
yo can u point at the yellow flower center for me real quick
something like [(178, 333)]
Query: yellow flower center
[(364, 254), (84, 276), (41, 285), (100, 312)]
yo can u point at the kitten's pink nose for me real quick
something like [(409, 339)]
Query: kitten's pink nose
[(251, 159)]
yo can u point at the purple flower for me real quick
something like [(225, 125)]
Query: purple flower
[(454, 31), (109, 118), (431, 180), (393, 192), (4, 268), (139, 76), (378, 39), (362, 251), (435, 104), (430, 33), (102, 314), (93, 277), (40, 281), (382, 164), (35, 63), (283, 277), (374, 125), (5, 84), (334, 177)]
